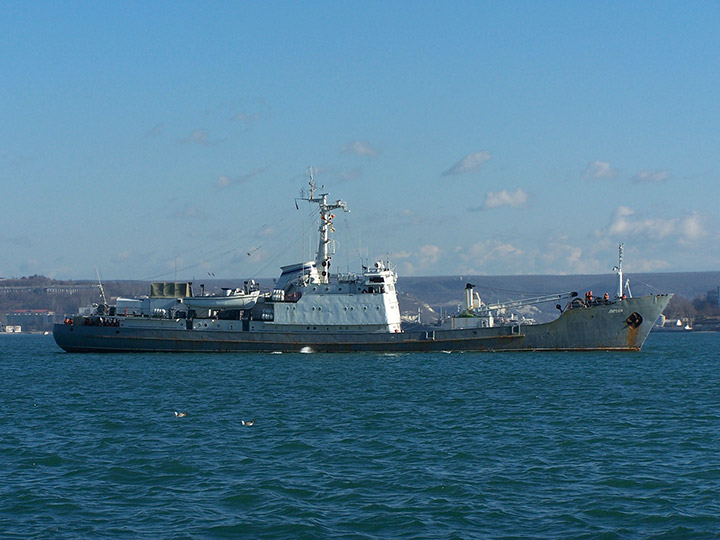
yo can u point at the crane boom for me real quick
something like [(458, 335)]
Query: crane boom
[(526, 302)]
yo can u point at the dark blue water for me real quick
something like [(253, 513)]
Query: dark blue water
[(533, 445)]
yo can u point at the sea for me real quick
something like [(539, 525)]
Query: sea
[(438, 446)]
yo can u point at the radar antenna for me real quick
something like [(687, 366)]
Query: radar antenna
[(311, 175)]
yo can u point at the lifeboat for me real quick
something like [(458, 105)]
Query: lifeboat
[(236, 299)]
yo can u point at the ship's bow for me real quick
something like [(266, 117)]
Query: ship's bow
[(644, 313)]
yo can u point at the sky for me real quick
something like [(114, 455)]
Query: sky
[(169, 140)]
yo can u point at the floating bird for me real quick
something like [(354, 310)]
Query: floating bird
[(247, 423), (180, 414)]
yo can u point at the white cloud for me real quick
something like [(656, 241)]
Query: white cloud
[(689, 228), (600, 169), (122, 256), (470, 163), (349, 175), (653, 177), (190, 211), (360, 148), (337, 175), (224, 181), (246, 118), (692, 227), (559, 256), (648, 265), (572, 256), (489, 256), (406, 268), (515, 198), (429, 254), (201, 138)]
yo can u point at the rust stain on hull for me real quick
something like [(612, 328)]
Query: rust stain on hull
[(632, 336)]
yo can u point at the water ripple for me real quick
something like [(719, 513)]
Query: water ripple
[(362, 446)]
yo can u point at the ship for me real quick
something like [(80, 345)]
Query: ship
[(312, 309)]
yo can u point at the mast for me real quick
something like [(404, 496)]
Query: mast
[(619, 270), (322, 257)]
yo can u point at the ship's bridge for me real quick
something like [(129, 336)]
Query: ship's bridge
[(378, 279)]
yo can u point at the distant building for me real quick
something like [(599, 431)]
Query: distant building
[(31, 320), (714, 297)]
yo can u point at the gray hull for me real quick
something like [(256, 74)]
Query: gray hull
[(622, 326)]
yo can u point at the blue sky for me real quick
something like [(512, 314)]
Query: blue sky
[(162, 140)]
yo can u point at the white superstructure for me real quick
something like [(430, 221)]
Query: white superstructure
[(307, 297), (346, 302)]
